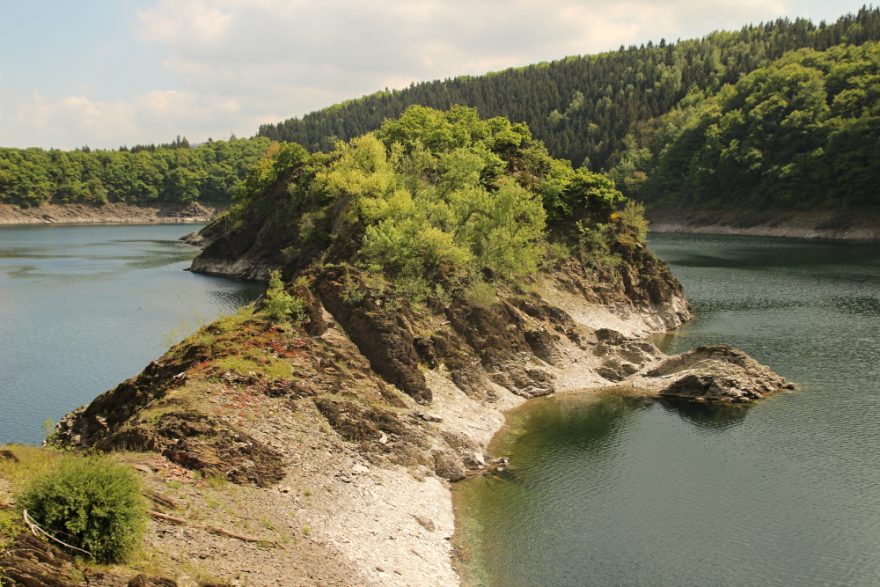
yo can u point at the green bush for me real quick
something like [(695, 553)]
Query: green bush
[(279, 305), (91, 503), (481, 294), (633, 221)]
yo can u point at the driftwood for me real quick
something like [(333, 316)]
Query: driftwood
[(242, 537), (168, 518), (37, 531), (161, 500), (211, 529)]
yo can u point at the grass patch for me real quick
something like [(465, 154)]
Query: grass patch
[(481, 294), (10, 526), (269, 366), (217, 482), (32, 461)]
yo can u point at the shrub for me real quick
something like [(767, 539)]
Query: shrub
[(481, 294), (91, 503), (632, 220), (279, 305)]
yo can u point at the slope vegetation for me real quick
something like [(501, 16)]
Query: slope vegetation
[(583, 107), (802, 133)]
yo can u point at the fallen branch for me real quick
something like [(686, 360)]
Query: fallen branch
[(211, 529), (168, 517), (160, 500), (242, 537), (36, 530)]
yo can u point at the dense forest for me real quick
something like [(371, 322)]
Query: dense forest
[(803, 132), (143, 175), (583, 107)]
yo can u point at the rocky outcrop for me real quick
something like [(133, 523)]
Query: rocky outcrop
[(382, 336), (85, 426), (622, 356), (202, 444), (715, 373)]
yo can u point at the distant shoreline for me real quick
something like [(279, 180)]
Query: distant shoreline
[(818, 225), (111, 213)]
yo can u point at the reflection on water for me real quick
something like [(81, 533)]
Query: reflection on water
[(84, 307), (708, 416), (627, 491)]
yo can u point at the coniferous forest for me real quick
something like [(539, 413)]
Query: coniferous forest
[(649, 109)]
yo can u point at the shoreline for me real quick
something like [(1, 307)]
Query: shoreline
[(817, 226), (108, 214), (378, 522), (814, 225), (582, 380)]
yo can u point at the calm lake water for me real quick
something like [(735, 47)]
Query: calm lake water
[(84, 307), (622, 491)]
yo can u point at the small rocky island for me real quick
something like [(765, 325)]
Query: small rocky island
[(433, 275)]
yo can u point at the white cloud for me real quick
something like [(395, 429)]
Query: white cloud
[(237, 63), (196, 20), (156, 116)]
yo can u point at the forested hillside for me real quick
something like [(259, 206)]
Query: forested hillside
[(143, 175), (801, 133), (584, 107), (662, 118)]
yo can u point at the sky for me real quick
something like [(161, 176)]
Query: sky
[(106, 73)]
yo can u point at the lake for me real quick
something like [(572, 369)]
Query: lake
[(614, 490), (84, 307)]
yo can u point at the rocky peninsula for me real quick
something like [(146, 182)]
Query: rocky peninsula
[(320, 450)]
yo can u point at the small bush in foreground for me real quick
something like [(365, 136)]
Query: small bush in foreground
[(91, 503)]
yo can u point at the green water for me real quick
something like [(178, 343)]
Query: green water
[(84, 307), (623, 491)]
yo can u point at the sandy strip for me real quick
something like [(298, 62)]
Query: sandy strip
[(113, 213), (828, 225)]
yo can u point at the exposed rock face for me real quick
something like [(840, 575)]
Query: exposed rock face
[(623, 356), (714, 373), (108, 213), (382, 336), (202, 444), (641, 284), (499, 336), (87, 425)]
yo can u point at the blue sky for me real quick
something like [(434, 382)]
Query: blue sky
[(106, 73)]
